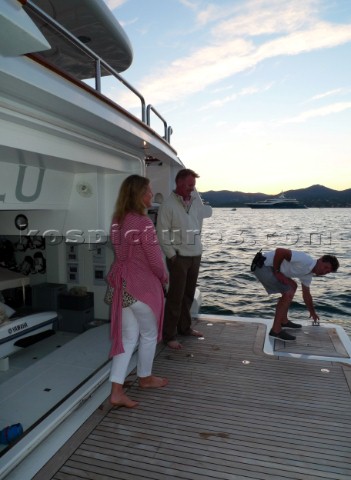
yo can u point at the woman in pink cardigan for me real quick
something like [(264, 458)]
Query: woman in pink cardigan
[(138, 277)]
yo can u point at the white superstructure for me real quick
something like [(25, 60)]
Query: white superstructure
[(65, 148)]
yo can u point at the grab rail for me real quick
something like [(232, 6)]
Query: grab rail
[(168, 130), (99, 63)]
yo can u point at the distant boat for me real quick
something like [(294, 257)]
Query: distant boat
[(277, 202)]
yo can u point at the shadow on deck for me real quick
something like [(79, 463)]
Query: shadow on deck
[(229, 412)]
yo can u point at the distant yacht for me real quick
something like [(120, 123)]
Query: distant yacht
[(277, 202)]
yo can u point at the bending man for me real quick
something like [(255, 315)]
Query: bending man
[(276, 270)]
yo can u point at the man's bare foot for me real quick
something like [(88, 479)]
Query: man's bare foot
[(123, 401), (195, 333), (175, 345), (152, 382)]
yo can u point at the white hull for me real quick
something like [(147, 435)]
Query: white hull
[(280, 202), (63, 165), (65, 149)]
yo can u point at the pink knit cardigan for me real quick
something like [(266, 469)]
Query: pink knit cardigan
[(138, 261)]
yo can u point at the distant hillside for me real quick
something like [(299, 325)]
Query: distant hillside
[(314, 196)]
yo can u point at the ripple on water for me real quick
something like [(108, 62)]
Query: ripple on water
[(232, 238)]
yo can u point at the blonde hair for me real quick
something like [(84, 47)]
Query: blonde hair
[(130, 197)]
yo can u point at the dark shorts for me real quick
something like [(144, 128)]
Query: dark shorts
[(270, 282)]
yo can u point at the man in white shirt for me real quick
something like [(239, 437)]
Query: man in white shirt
[(179, 233), (276, 271)]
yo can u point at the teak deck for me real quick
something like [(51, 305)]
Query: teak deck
[(229, 412)]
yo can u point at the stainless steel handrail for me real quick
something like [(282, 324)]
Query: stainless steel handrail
[(99, 64), (168, 130)]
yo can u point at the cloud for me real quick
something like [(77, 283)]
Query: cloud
[(231, 98), (188, 75), (189, 4), (330, 93), (321, 35), (319, 112), (112, 4), (210, 14), (265, 17), (251, 35)]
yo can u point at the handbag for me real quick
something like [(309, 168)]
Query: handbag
[(109, 295)]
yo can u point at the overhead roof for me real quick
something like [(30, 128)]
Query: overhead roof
[(93, 23)]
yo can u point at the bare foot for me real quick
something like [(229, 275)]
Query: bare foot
[(175, 345), (195, 333), (152, 382), (123, 401)]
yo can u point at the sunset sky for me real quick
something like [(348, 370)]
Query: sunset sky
[(258, 92)]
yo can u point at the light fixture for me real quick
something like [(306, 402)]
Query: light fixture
[(84, 38), (84, 189), (149, 160), (21, 222)]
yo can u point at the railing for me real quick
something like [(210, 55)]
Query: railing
[(168, 130), (99, 64)]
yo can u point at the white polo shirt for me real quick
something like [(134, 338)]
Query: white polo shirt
[(300, 266)]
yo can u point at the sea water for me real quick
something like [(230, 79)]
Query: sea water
[(231, 237)]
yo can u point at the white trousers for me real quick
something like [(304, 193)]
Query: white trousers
[(139, 327)]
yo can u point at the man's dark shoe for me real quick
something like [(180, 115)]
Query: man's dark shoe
[(291, 324), (285, 336)]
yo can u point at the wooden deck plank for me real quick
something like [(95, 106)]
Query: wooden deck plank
[(219, 418), (223, 461), (207, 443)]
